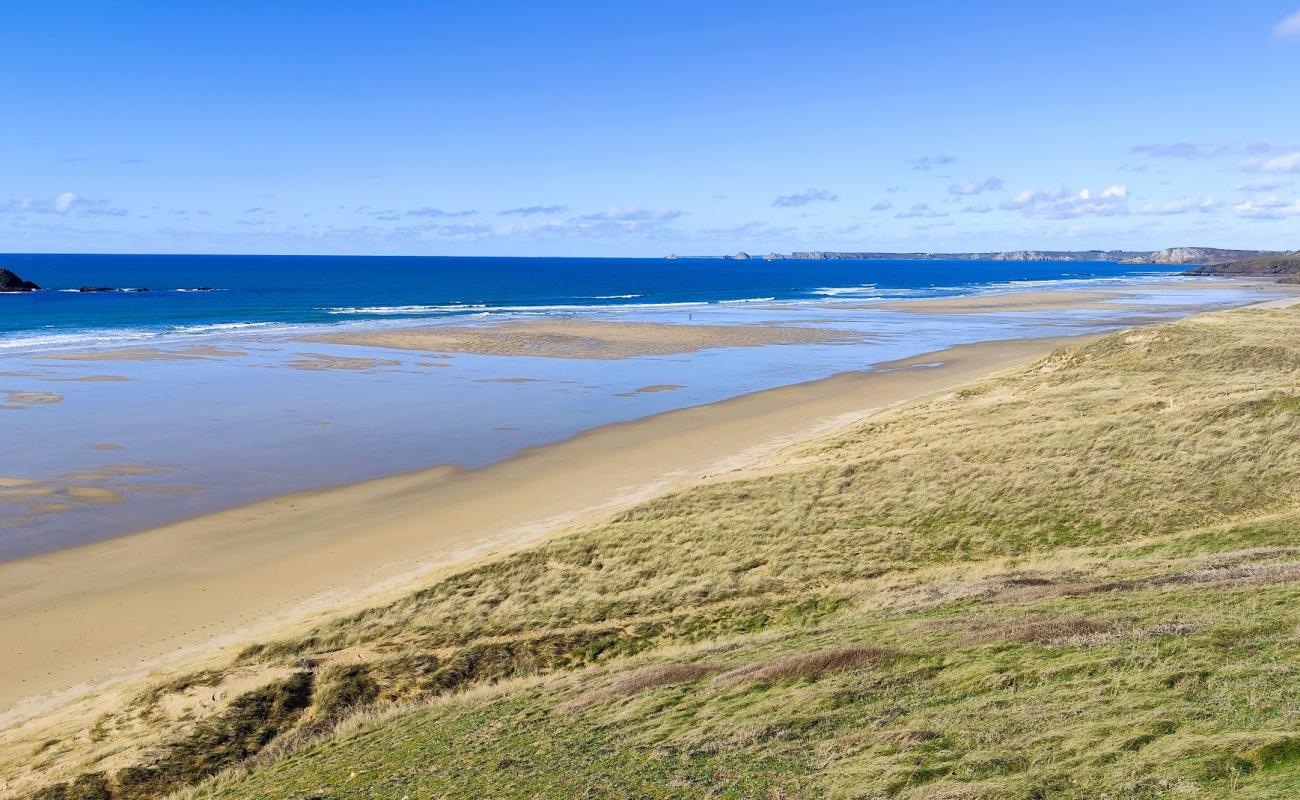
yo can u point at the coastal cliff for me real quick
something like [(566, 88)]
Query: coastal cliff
[(1285, 266), (1169, 255)]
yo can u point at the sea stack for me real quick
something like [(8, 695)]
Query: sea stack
[(9, 282)]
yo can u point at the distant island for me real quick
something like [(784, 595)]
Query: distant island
[(1170, 255)]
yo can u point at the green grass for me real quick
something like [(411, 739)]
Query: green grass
[(1079, 580)]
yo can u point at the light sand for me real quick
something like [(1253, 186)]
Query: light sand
[(115, 609), (148, 354), (1064, 300), (1011, 301), (33, 398), (583, 338), (321, 361)]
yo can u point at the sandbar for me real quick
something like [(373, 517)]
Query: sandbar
[(583, 338)]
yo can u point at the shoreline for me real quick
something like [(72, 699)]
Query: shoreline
[(99, 614)]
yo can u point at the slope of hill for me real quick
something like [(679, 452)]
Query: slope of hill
[(1077, 580), (1285, 266)]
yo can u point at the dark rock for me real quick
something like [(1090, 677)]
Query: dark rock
[(95, 289), (1286, 267), (10, 282)]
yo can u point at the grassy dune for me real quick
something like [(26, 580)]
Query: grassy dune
[(1079, 580)]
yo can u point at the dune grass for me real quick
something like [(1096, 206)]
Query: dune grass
[(1077, 580)]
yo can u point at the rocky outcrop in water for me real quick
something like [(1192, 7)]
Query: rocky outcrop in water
[(9, 282)]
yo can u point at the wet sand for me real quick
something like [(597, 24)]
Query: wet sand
[(100, 613), (1065, 299), (1013, 301), (582, 338)]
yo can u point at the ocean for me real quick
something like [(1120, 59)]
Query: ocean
[(127, 410), (280, 291)]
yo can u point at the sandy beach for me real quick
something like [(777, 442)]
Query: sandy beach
[(117, 609), (583, 338)]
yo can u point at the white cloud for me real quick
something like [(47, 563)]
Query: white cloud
[(1285, 163), (926, 163), (1268, 208), (1263, 186), (528, 211), (920, 210), (1063, 204), (970, 187), (428, 211), (67, 203), (804, 198), (1288, 28), (634, 214), (1182, 205), (1188, 150)]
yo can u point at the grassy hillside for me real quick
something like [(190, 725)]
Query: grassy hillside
[(1080, 580)]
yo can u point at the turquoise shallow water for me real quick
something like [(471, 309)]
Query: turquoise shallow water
[(161, 440)]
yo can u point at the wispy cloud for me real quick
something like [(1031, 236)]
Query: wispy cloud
[(530, 211), (804, 198), (927, 163), (970, 187), (67, 203), (1181, 205), (1288, 28), (1285, 163), (883, 205), (620, 221), (1268, 208), (920, 210), (976, 209), (1063, 204), (428, 211), (1263, 186), (1185, 150), (635, 214)]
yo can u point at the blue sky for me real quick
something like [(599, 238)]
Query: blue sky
[(607, 129)]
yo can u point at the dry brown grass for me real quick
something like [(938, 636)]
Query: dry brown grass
[(805, 666), (1087, 488), (639, 681)]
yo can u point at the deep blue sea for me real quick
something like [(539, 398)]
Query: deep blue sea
[(263, 291)]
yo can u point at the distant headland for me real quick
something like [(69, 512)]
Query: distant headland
[(1169, 255)]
